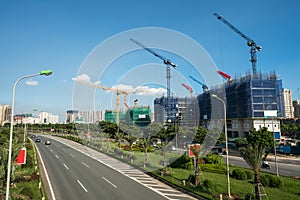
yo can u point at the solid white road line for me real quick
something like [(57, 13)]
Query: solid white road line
[(109, 182), (82, 186), (46, 174)]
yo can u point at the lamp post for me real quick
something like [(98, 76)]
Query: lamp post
[(226, 143), (44, 72)]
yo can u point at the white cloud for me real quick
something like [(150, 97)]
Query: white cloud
[(32, 83), (141, 90), (82, 78)]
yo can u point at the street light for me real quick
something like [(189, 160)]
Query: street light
[(226, 143), (43, 72)]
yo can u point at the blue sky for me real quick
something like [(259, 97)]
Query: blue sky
[(59, 35)]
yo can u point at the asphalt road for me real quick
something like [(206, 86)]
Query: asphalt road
[(74, 175), (286, 167)]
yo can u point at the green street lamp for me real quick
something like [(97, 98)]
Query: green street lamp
[(226, 143), (43, 72)]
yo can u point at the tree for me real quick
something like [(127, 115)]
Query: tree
[(257, 141), (196, 151)]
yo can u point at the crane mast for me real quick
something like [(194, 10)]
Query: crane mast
[(253, 46)]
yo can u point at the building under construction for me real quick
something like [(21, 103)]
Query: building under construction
[(183, 111), (247, 100)]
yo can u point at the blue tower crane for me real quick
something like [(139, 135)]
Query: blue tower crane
[(204, 87), (168, 63), (253, 46)]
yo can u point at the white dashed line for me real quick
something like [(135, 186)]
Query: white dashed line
[(66, 166), (56, 156), (82, 186), (109, 182), (85, 165)]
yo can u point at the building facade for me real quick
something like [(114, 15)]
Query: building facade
[(287, 103), (296, 105), (5, 114)]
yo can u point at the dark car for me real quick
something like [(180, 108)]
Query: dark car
[(37, 140), (47, 142)]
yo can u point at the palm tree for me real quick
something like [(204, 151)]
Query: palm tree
[(196, 151), (258, 141)]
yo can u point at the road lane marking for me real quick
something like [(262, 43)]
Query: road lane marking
[(66, 166), (109, 182), (56, 156), (82, 186), (85, 165), (46, 174), (51, 150), (72, 155)]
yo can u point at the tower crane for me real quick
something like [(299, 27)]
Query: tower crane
[(253, 46), (225, 76), (188, 88), (117, 91), (168, 63), (204, 87)]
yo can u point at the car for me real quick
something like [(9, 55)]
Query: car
[(47, 142), (37, 140)]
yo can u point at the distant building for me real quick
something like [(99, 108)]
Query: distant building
[(48, 118), (287, 103), (72, 116), (296, 105), (92, 116), (5, 114)]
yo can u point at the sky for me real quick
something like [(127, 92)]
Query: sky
[(65, 36)]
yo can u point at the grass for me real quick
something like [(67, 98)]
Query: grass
[(27, 189)]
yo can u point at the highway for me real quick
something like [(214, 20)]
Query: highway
[(75, 172)]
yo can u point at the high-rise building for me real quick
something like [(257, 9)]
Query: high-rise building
[(296, 105), (5, 114), (247, 99), (48, 118), (72, 116), (287, 103)]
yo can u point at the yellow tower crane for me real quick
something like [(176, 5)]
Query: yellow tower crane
[(117, 91)]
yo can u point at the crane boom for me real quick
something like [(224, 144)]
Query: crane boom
[(168, 63), (189, 88), (204, 87), (253, 46), (224, 75)]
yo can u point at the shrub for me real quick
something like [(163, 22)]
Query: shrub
[(183, 162), (239, 174), (27, 191), (249, 174), (213, 159), (264, 179), (275, 181), (215, 168)]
